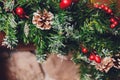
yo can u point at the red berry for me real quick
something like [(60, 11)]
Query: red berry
[(96, 5), (19, 11), (65, 4), (109, 11), (84, 50), (97, 59), (116, 23), (112, 26), (102, 6), (92, 57), (106, 8), (112, 20), (75, 1)]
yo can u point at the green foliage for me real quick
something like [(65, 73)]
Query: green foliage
[(78, 25), (8, 25)]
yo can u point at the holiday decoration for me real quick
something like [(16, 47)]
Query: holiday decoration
[(102, 6), (42, 20), (97, 59), (105, 8), (91, 34), (114, 22), (92, 57), (112, 26), (20, 11), (109, 11), (105, 65), (65, 4), (84, 50)]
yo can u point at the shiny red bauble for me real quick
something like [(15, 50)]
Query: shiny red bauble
[(92, 57), (112, 26), (65, 4), (109, 11), (102, 6), (84, 50), (106, 8), (97, 59), (112, 20), (19, 11), (116, 23)]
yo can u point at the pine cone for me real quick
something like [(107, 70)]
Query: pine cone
[(105, 65), (116, 61), (42, 20)]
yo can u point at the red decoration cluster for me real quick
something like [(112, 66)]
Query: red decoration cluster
[(104, 7), (67, 3), (20, 12), (84, 50), (113, 20), (95, 57)]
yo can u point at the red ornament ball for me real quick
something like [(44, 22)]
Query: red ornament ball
[(112, 26), (106, 8), (102, 6), (92, 57), (96, 5), (116, 23), (19, 11), (84, 50), (97, 59), (112, 20), (109, 11), (65, 4)]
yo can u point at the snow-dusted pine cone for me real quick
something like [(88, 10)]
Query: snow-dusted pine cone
[(116, 61), (43, 20)]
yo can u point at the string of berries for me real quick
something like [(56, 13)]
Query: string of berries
[(104, 8), (113, 20), (94, 57)]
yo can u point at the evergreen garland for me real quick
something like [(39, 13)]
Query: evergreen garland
[(72, 28)]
